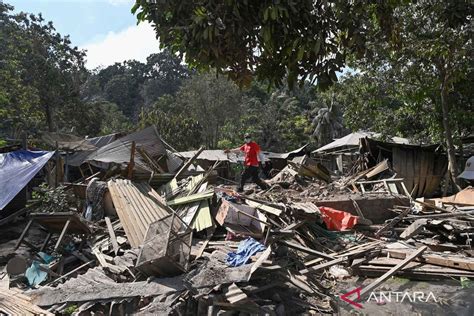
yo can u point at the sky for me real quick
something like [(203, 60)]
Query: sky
[(105, 28)]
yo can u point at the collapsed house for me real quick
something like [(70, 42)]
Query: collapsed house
[(151, 231), (422, 167)]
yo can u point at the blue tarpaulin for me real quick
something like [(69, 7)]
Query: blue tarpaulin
[(17, 168), (247, 248)]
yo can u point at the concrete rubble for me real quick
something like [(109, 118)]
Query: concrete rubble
[(150, 232)]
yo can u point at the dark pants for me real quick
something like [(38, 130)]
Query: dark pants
[(251, 172)]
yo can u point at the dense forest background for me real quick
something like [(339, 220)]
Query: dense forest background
[(44, 85)]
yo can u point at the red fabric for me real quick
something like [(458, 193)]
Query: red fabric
[(251, 152), (337, 220)]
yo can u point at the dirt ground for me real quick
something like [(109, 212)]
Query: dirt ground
[(451, 297)]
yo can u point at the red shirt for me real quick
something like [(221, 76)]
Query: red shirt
[(251, 151)]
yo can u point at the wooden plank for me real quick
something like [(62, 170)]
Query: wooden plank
[(188, 163), (308, 250), (63, 233), (14, 303), (323, 265), (413, 229), (435, 259), (131, 164), (71, 272), (113, 238), (23, 234), (392, 271), (393, 222), (263, 207)]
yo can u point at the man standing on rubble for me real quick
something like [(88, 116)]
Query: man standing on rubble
[(253, 159)]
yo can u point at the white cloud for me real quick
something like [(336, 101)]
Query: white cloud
[(135, 42)]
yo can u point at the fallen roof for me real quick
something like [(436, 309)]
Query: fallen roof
[(220, 155), (119, 150), (67, 141), (353, 140), (80, 157), (17, 168)]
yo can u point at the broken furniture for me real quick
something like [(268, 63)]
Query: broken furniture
[(166, 247), (55, 223)]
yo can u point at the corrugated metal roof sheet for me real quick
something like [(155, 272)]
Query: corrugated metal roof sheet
[(353, 140), (67, 141), (219, 155), (137, 205), (119, 150), (78, 158)]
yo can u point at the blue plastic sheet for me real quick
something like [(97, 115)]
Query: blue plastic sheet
[(247, 248), (17, 168), (35, 274)]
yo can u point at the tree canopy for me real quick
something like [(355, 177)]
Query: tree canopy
[(267, 40)]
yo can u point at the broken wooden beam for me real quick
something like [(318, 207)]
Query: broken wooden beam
[(188, 163), (113, 238), (392, 271), (455, 262), (323, 265), (413, 229), (308, 250)]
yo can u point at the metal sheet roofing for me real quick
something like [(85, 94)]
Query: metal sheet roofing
[(79, 157), (353, 140), (137, 205), (119, 150)]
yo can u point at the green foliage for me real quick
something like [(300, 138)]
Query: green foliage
[(270, 40), (55, 200), (212, 111), (132, 85), (40, 73), (70, 309), (174, 125), (398, 90)]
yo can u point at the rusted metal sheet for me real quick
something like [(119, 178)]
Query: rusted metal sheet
[(137, 205)]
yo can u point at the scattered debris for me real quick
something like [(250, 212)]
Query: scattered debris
[(150, 231)]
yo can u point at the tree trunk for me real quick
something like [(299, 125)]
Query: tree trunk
[(452, 167), (49, 119)]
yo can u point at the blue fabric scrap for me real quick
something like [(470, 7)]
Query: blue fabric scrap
[(35, 275), (247, 248)]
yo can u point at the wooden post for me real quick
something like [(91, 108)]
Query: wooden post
[(66, 172), (63, 233), (46, 241), (23, 234), (56, 180), (131, 164)]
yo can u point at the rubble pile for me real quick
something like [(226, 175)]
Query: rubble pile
[(184, 244)]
